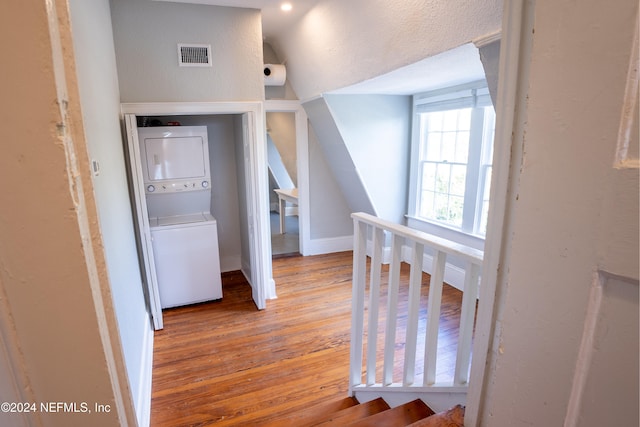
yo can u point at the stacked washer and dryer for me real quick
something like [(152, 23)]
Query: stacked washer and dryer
[(177, 182)]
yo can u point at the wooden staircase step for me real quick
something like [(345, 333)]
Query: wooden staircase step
[(454, 417), (399, 416), (313, 415), (350, 415)]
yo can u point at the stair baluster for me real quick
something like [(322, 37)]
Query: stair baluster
[(414, 247)]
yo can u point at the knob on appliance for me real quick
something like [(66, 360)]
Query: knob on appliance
[(205, 184), (151, 188)]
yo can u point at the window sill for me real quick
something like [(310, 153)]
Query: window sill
[(449, 233)]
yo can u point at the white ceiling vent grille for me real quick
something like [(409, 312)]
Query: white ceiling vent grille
[(194, 55)]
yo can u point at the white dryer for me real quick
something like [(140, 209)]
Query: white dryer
[(184, 237)]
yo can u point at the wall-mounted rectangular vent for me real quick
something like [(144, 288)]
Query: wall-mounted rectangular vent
[(194, 55)]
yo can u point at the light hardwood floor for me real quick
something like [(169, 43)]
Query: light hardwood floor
[(226, 363)]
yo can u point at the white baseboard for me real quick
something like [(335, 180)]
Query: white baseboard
[(291, 211), (288, 210), (453, 275), (143, 399), (329, 245), (271, 293)]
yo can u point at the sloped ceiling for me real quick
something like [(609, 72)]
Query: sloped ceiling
[(339, 44), (450, 68), (382, 47)]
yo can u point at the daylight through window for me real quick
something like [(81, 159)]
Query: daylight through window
[(453, 141)]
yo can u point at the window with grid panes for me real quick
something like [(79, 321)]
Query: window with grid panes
[(453, 141)]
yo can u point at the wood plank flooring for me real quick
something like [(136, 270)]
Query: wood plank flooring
[(226, 363)]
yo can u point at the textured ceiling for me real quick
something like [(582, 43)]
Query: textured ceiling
[(273, 19), (459, 65)]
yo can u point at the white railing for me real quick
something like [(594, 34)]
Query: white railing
[(407, 245)]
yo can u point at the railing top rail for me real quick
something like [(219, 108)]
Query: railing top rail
[(467, 253)]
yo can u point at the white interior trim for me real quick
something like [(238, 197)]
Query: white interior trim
[(330, 245), (189, 108), (585, 353), (629, 103), (143, 399), (257, 177), (487, 39), (142, 220), (302, 165), (510, 106)]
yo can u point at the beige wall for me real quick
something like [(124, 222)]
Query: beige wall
[(572, 220)]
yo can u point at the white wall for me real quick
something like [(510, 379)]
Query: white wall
[(337, 157), (339, 43), (329, 211), (225, 206), (490, 57), (570, 217), (376, 130), (146, 34)]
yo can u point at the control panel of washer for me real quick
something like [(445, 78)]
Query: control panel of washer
[(176, 186)]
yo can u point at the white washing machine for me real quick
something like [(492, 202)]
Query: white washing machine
[(187, 261), (184, 235)]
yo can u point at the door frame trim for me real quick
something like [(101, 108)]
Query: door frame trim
[(515, 49), (261, 273), (302, 164)]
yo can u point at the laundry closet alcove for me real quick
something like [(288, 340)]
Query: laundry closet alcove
[(239, 203)]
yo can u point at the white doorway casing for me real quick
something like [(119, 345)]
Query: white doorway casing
[(148, 268), (302, 164), (261, 280), (505, 152), (563, 226)]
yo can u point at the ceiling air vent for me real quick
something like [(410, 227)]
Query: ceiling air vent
[(194, 55)]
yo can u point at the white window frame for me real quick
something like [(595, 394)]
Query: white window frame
[(473, 95)]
